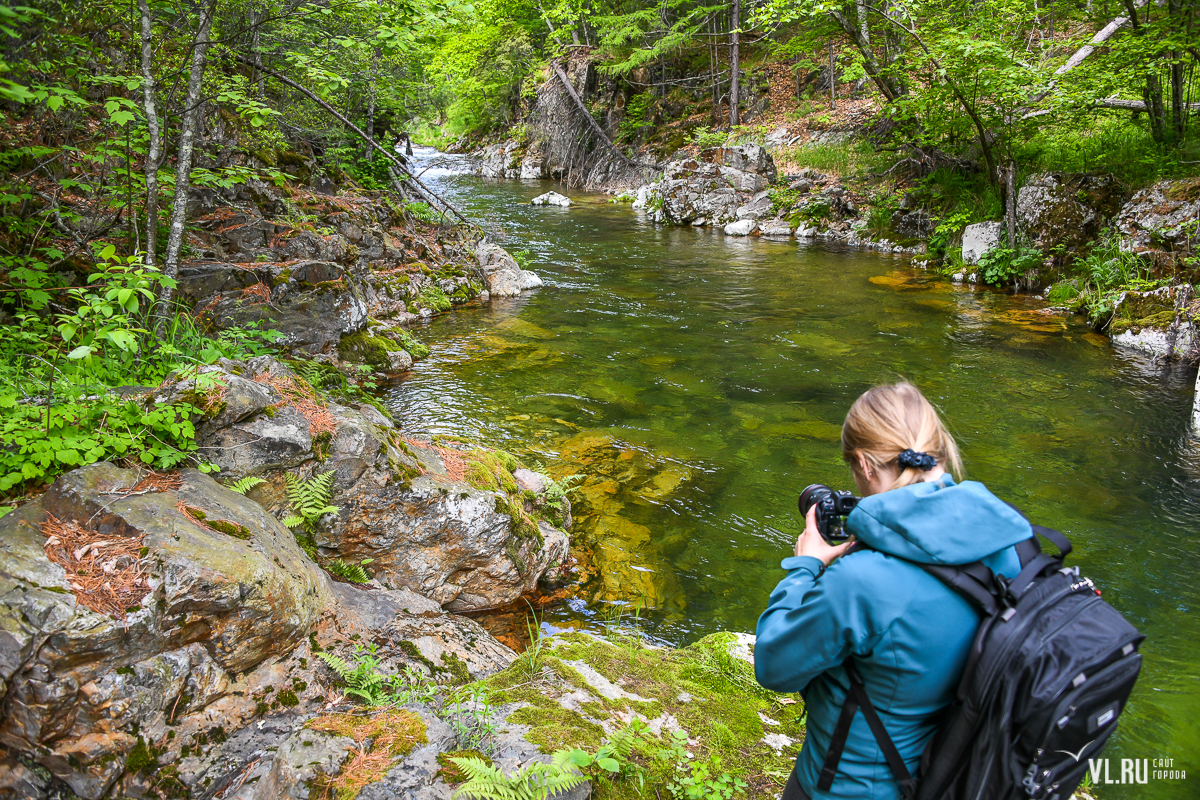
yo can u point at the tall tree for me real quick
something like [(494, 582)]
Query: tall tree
[(734, 68), (190, 122)]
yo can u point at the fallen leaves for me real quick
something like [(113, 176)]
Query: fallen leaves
[(107, 574)]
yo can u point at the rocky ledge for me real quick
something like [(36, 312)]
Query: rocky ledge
[(330, 271), (738, 189), (162, 635)]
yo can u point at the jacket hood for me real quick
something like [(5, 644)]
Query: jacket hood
[(938, 522)]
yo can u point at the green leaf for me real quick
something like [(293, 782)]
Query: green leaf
[(83, 351)]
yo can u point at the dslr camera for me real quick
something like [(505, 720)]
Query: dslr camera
[(832, 508)]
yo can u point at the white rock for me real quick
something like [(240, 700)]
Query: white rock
[(743, 227), (528, 479), (978, 239), (1158, 342), (551, 199), (642, 197), (1196, 408), (778, 741), (775, 229)]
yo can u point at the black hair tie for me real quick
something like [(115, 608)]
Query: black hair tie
[(915, 460)]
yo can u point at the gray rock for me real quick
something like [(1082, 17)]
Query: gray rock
[(977, 239), (551, 199), (743, 227), (775, 229), (530, 480), (1158, 218), (248, 600), (504, 276), (745, 158), (399, 361), (757, 209), (1068, 210), (303, 757), (744, 181)]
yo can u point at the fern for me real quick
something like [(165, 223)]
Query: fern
[(309, 500), (362, 678), (245, 484), (535, 781), (350, 572)]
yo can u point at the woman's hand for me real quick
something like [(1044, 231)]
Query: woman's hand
[(810, 542)]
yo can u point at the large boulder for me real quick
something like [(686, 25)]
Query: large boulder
[(1161, 323), (504, 276), (312, 303), (1067, 209), (500, 160), (219, 587), (1162, 218), (426, 529), (750, 158)]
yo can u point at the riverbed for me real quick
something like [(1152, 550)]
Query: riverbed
[(700, 381)]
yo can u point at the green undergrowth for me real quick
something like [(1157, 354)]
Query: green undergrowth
[(711, 694)]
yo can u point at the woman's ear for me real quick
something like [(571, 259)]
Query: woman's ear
[(864, 467)]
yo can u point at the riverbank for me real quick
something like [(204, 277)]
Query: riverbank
[(1122, 252)]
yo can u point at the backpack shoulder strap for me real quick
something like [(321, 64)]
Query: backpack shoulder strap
[(856, 699)]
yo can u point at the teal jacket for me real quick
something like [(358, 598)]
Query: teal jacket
[(909, 634)]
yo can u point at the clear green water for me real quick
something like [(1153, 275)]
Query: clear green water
[(701, 380)]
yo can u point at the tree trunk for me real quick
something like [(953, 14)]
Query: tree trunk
[(1153, 96), (154, 154), (734, 112), (860, 9), (371, 100), (183, 167), (872, 66), (1010, 202)]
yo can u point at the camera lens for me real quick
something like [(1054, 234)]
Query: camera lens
[(811, 496)]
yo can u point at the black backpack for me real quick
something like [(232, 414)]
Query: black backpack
[(1048, 674)]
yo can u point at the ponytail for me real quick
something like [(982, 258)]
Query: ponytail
[(894, 418)]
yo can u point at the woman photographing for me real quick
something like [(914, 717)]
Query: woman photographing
[(868, 604)]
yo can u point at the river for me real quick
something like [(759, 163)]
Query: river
[(701, 380)]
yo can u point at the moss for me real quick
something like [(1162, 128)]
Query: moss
[(456, 667), (140, 759), (449, 771), (288, 699), (321, 445), (363, 348), (722, 714), (283, 277), (126, 671), (230, 528)]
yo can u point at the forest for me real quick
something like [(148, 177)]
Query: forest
[(116, 111)]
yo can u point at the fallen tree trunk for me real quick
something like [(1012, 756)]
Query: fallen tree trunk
[(595, 126), (425, 190)]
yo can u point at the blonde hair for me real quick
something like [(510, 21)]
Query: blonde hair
[(887, 420)]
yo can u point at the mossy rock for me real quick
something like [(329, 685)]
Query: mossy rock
[(583, 684), (1140, 311), (363, 348)]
